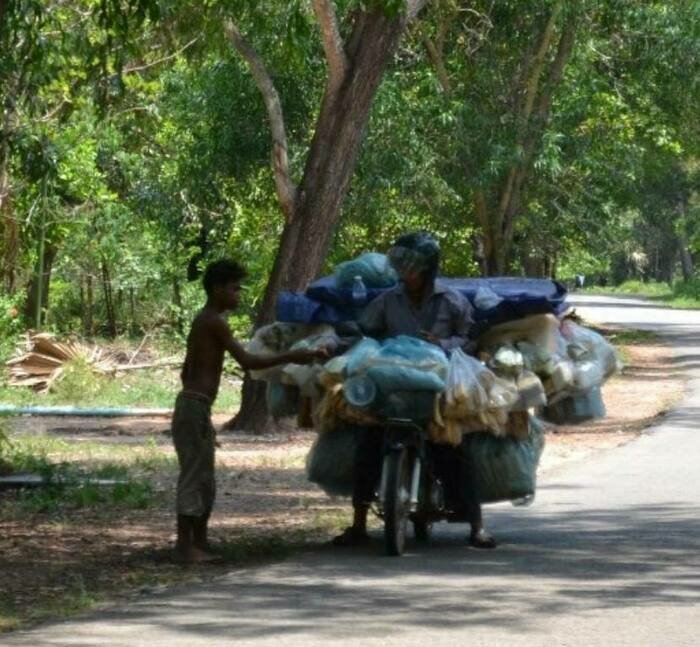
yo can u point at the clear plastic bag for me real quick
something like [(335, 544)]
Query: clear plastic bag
[(540, 330), (596, 347), (530, 392), (588, 375), (280, 337), (536, 359), (467, 386), (507, 361)]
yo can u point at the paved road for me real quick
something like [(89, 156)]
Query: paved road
[(608, 555)]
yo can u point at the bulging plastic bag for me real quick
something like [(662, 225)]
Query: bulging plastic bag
[(506, 468), (540, 330), (576, 408), (588, 375), (538, 360), (475, 400), (531, 392), (486, 299), (407, 364), (394, 376), (507, 361), (360, 354), (280, 337), (400, 363), (374, 269), (411, 351), (305, 376), (331, 460), (467, 386), (282, 400), (587, 344)]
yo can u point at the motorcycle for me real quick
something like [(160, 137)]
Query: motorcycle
[(409, 489)]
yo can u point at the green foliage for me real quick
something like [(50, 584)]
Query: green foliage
[(153, 143), (11, 324)]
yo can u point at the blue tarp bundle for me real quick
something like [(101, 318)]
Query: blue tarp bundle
[(323, 302)]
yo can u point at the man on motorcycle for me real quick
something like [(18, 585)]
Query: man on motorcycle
[(420, 306)]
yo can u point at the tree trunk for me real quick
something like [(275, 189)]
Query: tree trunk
[(498, 215), (329, 167), (10, 229), (686, 261), (177, 302), (109, 301), (88, 322), (31, 303), (132, 310)]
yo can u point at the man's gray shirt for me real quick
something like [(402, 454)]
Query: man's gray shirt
[(445, 313)]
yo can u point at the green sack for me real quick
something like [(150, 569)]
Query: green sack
[(330, 462), (282, 400), (506, 468)]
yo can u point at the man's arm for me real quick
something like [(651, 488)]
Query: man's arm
[(462, 322), (248, 361), (373, 319)]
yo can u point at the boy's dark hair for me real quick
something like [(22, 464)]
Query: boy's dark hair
[(222, 272)]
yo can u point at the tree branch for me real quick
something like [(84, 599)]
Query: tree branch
[(286, 189), (332, 43), (538, 63), (165, 59), (413, 8)]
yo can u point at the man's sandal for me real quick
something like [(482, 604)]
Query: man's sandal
[(482, 539), (351, 537)]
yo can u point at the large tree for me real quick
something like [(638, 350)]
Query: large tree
[(311, 207)]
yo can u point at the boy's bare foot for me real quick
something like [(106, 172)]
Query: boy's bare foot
[(194, 555)]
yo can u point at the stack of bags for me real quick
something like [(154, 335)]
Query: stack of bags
[(531, 360)]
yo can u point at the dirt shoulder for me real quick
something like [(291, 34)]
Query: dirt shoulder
[(60, 561)]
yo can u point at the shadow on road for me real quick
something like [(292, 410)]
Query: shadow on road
[(638, 556)]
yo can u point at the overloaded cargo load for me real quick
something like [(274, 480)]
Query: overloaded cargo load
[(531, 360), (506, 468), (332, 299)]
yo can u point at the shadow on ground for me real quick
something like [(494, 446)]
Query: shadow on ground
[(638, 556)]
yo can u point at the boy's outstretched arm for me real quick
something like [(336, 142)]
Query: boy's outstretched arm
[(248, 361)]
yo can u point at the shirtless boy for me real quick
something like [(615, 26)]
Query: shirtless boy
[(193, 433)]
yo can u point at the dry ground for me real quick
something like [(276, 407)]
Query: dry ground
[(59, 562)]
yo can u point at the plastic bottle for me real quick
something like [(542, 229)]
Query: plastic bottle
[(359, 292)]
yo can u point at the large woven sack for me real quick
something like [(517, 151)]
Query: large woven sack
[(506, 468), (331, 459)]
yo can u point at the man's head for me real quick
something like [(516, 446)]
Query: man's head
[(416, 259), (222, 283)]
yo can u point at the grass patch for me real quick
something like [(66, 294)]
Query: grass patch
[(631, 337), (75, 597), (72, 476), (147, 388), (682, 294)]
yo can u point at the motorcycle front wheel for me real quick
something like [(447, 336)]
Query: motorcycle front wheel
[(398, 467)]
